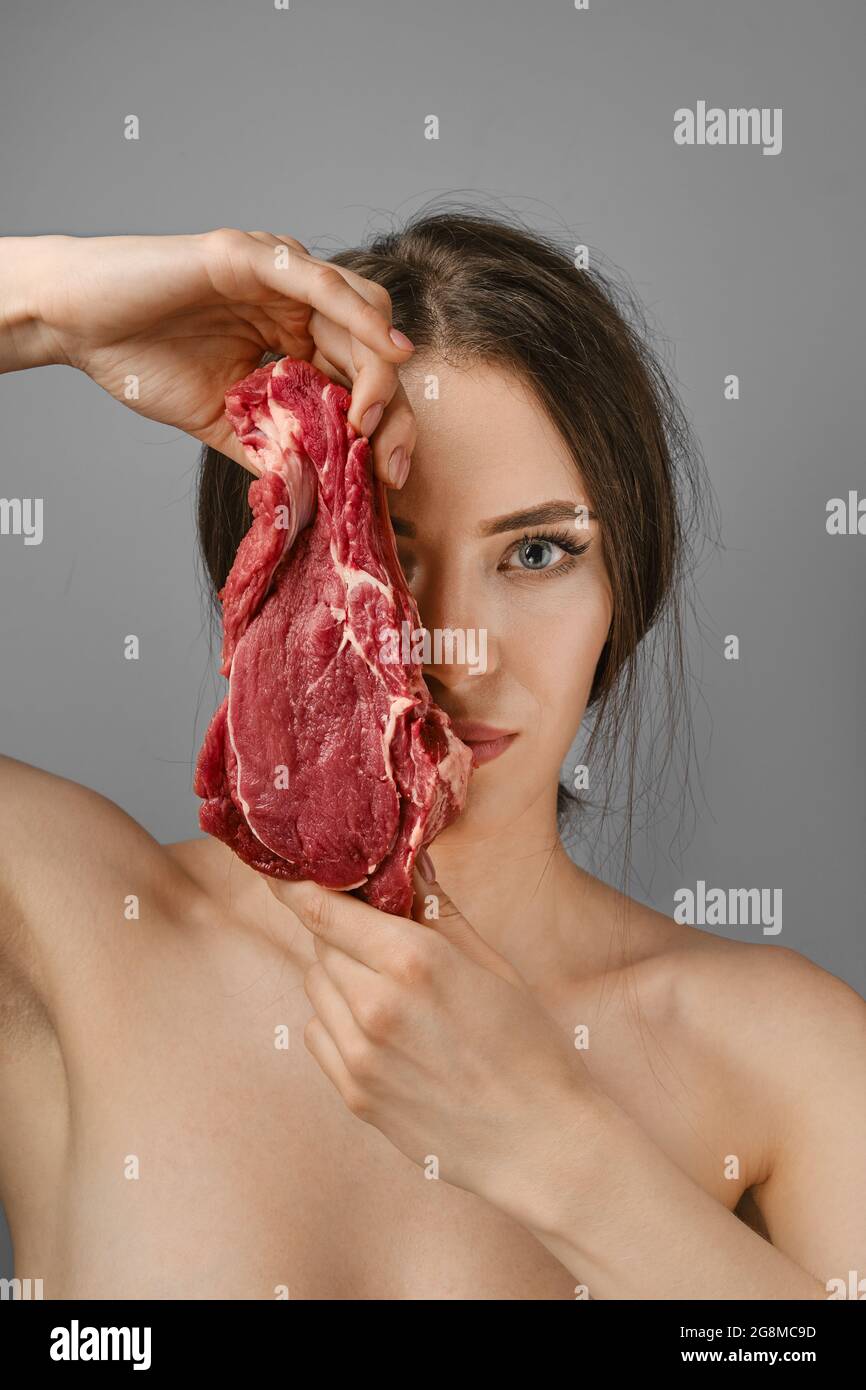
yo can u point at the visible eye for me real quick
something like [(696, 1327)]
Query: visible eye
[(550, 552)]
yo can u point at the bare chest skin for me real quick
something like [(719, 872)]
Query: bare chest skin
[(179, 1141)]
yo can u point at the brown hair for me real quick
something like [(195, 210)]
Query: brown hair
[(471, 287)]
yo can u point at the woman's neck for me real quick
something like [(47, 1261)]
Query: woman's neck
[(523, 894)]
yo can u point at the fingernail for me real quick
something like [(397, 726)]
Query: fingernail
[(371, 418), (401, 340), (398, 466), (425, 866)]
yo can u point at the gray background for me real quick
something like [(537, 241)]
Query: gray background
[(311, 123)]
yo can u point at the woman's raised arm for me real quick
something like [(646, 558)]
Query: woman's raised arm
[(166, 324)]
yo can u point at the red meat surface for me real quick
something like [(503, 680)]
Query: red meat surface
[(328, 759)]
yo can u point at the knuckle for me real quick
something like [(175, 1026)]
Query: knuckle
[(414, 965), (357, 1103), (376, 1017), (225, 239), (317, 910), (326, 276), (293, 245), (372, 312), (447, 909), (360, 1057), (379, 297)]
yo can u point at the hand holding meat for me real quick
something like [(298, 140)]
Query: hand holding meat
[(166, 324), (433, 1037)]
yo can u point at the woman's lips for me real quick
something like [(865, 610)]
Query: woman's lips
[(485, 741)]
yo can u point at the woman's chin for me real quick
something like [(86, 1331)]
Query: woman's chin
[(491, 807)]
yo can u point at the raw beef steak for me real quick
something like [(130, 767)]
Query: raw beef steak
[(325, 761)]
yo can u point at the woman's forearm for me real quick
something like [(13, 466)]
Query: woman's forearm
[(628, 1223), (25, 341)]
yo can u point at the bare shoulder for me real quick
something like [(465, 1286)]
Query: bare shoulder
[(774, 995), (71, 862), (799, 1033), (791, 1037), (787, 1034), (45, 818), (753, 994)]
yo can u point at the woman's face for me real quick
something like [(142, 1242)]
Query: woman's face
[(486, 527)]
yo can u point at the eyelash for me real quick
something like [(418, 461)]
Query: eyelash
[(563, 539)]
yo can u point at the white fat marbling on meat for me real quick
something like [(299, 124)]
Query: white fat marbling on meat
[(244, 803), (452, 768)]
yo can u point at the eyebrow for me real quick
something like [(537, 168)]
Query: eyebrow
[(543, 514)]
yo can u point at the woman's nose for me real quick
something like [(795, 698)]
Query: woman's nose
[(456, 646)]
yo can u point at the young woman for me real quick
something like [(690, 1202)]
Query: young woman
[(549, 1090)]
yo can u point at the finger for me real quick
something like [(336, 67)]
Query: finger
[(374, 382), (335, 344), (332, 1009), (431, 904), (321, 1045), (267, 238), (270, 239), (371, 1000), (394, 441), (239, 266), (361, 371), (330, 369), (357, 983), (362, 931), (432, 907), (370, 372), (396, 428)]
